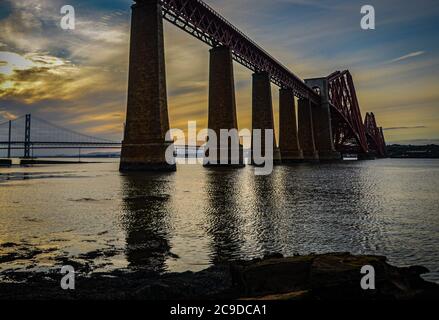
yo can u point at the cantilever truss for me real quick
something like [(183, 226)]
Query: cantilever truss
[(347, 123), (350, 133), (205, 24), (202, 22), (375, 136)]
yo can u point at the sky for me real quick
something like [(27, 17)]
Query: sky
[(78, 78)]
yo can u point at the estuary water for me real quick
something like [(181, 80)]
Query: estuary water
[(92, 215)]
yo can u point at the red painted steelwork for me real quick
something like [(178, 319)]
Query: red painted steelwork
[(202, 22), (350, 133), (375, 136), (348, 129), (205, 24)]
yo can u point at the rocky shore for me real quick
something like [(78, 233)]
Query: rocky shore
[(311, 277)]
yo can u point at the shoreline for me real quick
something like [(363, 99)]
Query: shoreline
[(309, 277)]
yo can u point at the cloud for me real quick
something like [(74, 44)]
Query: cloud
[(34, 77), (7, 115), (408, 56), (73, 79), (11, 61)]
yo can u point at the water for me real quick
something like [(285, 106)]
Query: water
[(193, 218)]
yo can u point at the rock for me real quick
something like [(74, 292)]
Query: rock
[(312, 277), (328, 277), (338, 275), (272, 275)]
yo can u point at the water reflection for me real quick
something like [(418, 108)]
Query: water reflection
[(222, 212), (145, 220), (386, 207), (267, 200)]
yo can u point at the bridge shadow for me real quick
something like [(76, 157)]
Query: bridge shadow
[(145, 219)]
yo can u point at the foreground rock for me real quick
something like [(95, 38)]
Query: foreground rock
[(330, 276), (312, 277)]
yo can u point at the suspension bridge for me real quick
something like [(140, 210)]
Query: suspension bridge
[(28, 133)]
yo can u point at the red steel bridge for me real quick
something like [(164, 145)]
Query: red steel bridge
[(350, 133), (329, 118), (327, 124)]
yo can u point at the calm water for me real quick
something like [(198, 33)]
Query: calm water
[(195, 217)]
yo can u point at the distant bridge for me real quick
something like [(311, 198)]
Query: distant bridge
[(29, 133)]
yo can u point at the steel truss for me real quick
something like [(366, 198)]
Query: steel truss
[(348, 128), (201, 21), (375, 136)]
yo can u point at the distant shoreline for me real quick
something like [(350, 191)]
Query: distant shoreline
[(397, 151), (394, 151)]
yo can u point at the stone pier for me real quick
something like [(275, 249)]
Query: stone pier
[(288, 138), (262, 112), (222, 108), (306, 131), (322, 121), (144, 146)]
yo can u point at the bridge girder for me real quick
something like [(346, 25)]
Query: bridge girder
[(348, 128), (375, 135), (201, 21)]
